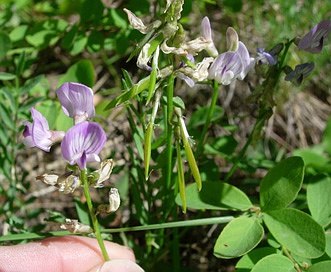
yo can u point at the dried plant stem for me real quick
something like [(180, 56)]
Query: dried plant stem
[(94, 219)]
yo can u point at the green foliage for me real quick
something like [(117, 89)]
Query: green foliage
[(296, 231), (240, 236), (274, 263), (318, 196), (320, 267), (216, 196), (81, 72), (174, 145), (249, 260), (280, 186), (46, 33)]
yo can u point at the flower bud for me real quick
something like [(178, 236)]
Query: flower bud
[(97, 177), (68, 183), (74, 226), (114, 203), (232, 39), (50, 179)]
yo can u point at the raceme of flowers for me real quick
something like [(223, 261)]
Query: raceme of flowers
[(82, 142), (224, 68), (228, 66)]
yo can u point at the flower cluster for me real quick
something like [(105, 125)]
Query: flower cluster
[(83, 141), (81, 144), (312, 42), (224, 68)]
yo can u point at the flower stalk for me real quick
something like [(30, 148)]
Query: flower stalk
[(94, 219), (210, 113)]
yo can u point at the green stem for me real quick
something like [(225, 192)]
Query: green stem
[(281, 62), (178, 224), (94, 219), (264, 115), (170, 95), (265, 111), (297, 267), (210, 113)]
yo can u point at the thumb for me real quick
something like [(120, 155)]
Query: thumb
[(118, 265)]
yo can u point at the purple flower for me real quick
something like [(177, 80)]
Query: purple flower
[(82, 143), (38, 133), (226, 68), (247, 61), (300, 72), (265, 57), (207, 34), (314, 39), (231, 65), (77, 101)]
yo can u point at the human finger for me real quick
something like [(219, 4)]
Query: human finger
[(66, 253)]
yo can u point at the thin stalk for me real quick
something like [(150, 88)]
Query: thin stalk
[(265, 112), (281, 62), (263, 116), (210, 113), (170, 95), (297, 267), (94, 219), (178, 224)]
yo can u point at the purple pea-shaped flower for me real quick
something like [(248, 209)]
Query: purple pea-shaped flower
[(313, 41), (207, 35), (77, 101), (231, 65), (38, 133), (83, 143)]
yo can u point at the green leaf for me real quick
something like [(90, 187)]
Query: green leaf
[(328, 244), (247, 262), (281, 184), (91, 10), (48, 108), (75, 40), (318, 198), (320, 267), (118, 18), (238, 237), (7, 76), (234, 5), (132, 92), (5, 44), (31, 84), (63, 122), (82, 212), (81, 72), (296, 231), (95, 41), (199, 116), (46, 33), (18, 33), (29, 103), (216, 196), (274, 263), (315, 159), (6, 117), (225, 145)]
